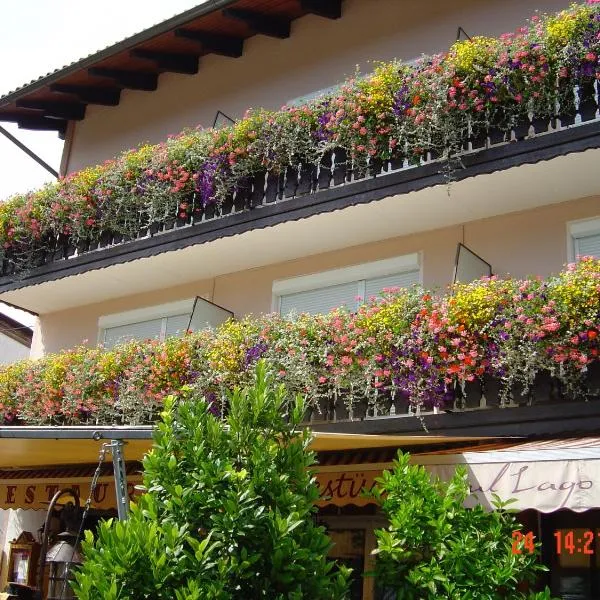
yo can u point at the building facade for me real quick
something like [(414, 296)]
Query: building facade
[(521, 201)]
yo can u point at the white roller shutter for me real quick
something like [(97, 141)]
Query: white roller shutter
[(588, 245), (133, 331), (322, 300), (177, 325), (373, 287)]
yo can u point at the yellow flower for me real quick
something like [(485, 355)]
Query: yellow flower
[(560, 29), (477, 52)]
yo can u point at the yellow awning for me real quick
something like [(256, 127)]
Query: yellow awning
[(30, 452), (33, 467)]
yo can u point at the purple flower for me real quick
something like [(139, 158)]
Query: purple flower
[(205, 182), (254, 353), (402, 101)]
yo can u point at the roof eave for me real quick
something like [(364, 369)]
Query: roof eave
[(134, 40)]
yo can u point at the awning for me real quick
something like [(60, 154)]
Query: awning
[(545, 476), (27, 447), (34, 488), (37, 461)]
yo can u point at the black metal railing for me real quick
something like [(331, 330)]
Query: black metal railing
[(482, 394)]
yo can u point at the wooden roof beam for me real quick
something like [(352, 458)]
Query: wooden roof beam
[(133, 80), (186, 64), (71, 111), (43, 124), (224, 45), (90, 94), (272, 26), (330, 9)]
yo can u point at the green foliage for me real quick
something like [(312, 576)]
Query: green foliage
[(436, 548), (228, 513)]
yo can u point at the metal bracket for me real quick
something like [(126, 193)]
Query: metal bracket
[(115, 447)]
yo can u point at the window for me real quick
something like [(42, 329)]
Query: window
[(584, 239), (160, 322), (322, 292)]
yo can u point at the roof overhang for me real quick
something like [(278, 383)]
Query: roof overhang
[(175, 45)]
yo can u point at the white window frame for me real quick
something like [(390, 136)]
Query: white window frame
[(360, 272), (139, 315), (579, 229)]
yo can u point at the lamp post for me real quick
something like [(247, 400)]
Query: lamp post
[(61, 556)]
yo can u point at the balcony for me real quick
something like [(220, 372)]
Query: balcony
[(495, 357), (305, 210)]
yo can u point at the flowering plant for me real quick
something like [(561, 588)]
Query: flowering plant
[(401, 112), (413, 344)]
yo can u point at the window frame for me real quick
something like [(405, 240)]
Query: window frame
[(148, 313), (579, 229), (358, 272)]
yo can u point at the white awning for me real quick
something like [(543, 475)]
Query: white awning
[(544, 476)]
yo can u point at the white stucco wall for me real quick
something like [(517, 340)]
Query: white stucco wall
[(11, 350), (12, 524)]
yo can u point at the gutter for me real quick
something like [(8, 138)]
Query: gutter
[(77, 432)]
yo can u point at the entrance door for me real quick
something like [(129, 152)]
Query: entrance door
[(349, 550)]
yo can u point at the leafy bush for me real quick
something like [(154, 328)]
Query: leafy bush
[(228, 514), (436, 548)]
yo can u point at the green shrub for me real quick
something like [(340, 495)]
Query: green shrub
[(436, 548), (227, 514)]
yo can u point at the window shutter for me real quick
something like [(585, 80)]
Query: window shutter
[(322, 300), (373, 287), (177, 325), (588, 245), (134, 331)]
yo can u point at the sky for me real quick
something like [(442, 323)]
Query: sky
[(38, 36)]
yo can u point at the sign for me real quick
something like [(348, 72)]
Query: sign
[(37, 493), (346, 487), (545, 486), (339, 487)]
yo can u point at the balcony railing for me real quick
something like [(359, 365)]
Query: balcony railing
[(482, 394), (336, 182)]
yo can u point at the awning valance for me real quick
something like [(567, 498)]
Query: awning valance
[(37, 461), (545, 476)]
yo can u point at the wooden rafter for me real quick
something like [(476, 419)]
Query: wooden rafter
[(71, 111), (278, 27), (330, 9), (134, 80), (42, 123), (89, 94), (169, 61), (224, 45)]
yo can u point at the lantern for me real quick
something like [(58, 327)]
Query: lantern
[(61, 558)]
